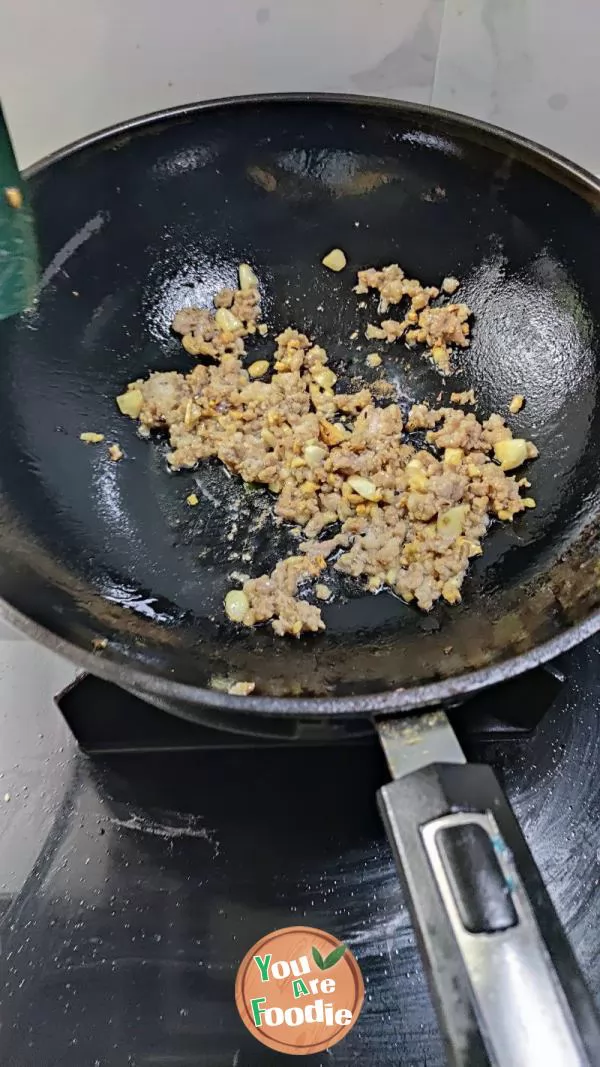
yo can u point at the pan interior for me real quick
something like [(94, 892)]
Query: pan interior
[(140, 222)]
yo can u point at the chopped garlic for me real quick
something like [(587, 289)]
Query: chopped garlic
[(373, 359), (516, 403), (511, 453), (417, 480), (314, 455), (450, 285), (241, 689), (192, 500), (131, 403), (91, 438), (453, 456), (262, 328), (451, 523), (236, 604), (451, 591), (248, 279), (257, 369), (227, 321), (324, 377), (334, 260), (13, 196), (116, 453), (439, 355), (368, 490), (475, 548), (322, 592)]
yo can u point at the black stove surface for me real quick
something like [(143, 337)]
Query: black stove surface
[(133, 882)]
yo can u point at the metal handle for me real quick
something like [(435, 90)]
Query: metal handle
[(505, 983)]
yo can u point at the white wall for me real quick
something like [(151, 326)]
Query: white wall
[(72, 66)]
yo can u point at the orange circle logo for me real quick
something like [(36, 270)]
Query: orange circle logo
[(299, 990)]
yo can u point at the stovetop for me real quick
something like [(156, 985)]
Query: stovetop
[(135, 875)]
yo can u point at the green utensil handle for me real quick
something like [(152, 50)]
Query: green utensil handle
[(19, 270)]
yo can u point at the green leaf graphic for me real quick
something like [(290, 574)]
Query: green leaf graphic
[(333, 957), (317, 957)]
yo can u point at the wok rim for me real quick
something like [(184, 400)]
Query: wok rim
[(393, 701), (379, 705)]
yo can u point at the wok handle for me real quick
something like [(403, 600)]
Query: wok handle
[(504, 980)]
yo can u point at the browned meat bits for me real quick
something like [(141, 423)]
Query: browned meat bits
[(342, 469), (440, 328)]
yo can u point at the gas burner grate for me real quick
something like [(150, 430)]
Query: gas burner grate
[(106, 719)]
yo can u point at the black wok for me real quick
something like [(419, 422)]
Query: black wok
[(137, 221)]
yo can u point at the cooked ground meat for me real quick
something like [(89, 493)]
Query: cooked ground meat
[(466, 397), (440, 328), (393, 286), (273, 597), (405, 518), (204, 335)]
